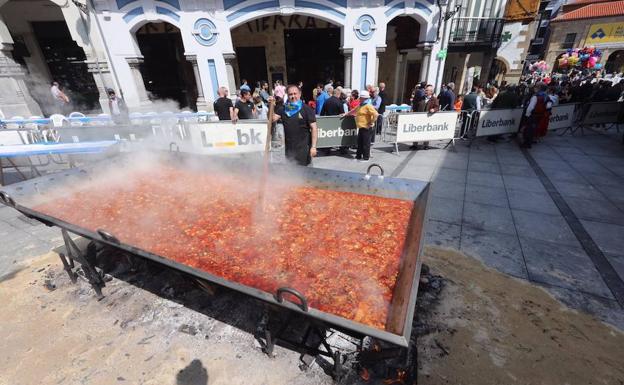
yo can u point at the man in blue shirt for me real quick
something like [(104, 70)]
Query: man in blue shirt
[(323, 96), (245, 86)]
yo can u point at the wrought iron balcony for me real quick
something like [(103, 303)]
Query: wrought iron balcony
[(476, 31)]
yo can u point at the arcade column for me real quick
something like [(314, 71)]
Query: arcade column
[(201, 100), (103, 79), (348, 58), (134, 62), (229, 58)]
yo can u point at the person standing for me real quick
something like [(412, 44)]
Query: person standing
[(472, 103), (117, 107), (244, 108), (384, 98), (447, 97), (322, 97), (333, 106), (223, 106), (60, 99), (264, 92), (300, 130), (354, 100), (538, 107), (280, 90), (365, 119), (245, 86), (428, 104)]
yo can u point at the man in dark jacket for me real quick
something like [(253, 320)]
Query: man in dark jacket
[(428, 104), (447, 97), (472, 103), (333, 105)]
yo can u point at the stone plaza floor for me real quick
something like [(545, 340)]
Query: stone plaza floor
[(553, 215)]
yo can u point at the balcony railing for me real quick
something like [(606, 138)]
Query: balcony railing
[(476, 30)]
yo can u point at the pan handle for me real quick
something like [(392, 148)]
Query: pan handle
[(368, 171), (108, 237), (279, 296), (173, 145), (6, 198)]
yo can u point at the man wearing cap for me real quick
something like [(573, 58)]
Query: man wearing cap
[(365, 118)]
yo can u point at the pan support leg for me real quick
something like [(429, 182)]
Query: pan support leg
[(87, 262)]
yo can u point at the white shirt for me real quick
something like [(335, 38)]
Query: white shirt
[(533, 103), (56, 93)]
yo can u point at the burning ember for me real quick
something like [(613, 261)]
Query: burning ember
[(340, 249)]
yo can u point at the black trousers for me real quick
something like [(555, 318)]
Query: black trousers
[(529, 131), (364, 144)]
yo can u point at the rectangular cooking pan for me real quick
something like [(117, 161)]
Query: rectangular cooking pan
[(401, 312)]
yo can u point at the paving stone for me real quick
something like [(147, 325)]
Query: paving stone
[(608, 237), (477, 165), (499, 251), (532, 201), (617, 261), (517, 170), (578, 190), (486, 217), (596, 210), (485, 179), (523, 183), (605, 180), (551, 228), (483, 157), (449, 162), (517, 160), (562, 175), (487, 195), (563, 266), (442, 234), (446, 210), (448, 190), (450, 175)]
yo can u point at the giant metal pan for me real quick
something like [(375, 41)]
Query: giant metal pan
[(401, 312)]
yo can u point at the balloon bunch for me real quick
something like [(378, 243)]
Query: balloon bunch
[(587, 57), (539, 67)]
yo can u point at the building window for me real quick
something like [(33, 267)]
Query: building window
[(569, 41)]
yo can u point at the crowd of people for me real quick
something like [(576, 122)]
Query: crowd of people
[(536, 95)]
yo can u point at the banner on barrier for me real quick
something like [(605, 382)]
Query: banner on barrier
[(334, 131), (224, 138), (598, 113), (421, 126), (496, 122), (561, 116)]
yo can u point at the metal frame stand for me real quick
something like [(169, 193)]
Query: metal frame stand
[(272, 331), (87, 261), (313, 342)]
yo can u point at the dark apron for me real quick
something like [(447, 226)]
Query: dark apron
[(298, 139)]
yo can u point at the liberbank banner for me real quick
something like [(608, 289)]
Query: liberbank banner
[(562, 116), (335, 131), (421, 126), (607, 112), (224, 138), (496, 122)]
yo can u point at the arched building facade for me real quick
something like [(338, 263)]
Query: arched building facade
[(221, 41)]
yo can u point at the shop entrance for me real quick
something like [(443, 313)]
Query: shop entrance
[(252, 64), (166, 72), (313, 56), (288, 48)]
